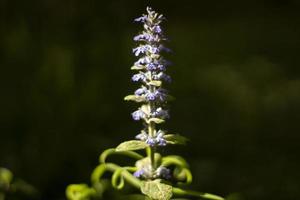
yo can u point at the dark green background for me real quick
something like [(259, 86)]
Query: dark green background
[(65, 70)]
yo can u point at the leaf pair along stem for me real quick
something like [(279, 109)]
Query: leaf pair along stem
[(137, 183)]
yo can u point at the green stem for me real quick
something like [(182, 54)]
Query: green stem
[(181, 192), (112, 151), (151, 129), (151, 132), (127, 176)]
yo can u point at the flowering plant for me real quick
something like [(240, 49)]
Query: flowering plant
[(157, 177)]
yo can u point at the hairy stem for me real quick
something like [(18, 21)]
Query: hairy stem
[(151, 132), (181, 192)]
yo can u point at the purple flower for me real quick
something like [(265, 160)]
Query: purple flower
[(160, 140), (159, 94), (142, 136), (164, 173), (159, 112), (162, 76), (141, 19), (143, 61), (139, 77), (139, 173), (147, 37), (161, 67), (151, 66), (138, 115), (157, 29), (150, 96), (141, 91), (151, 141), (154, 66), (143, 49)]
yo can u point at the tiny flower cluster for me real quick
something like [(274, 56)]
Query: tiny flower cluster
[(160, 172), (151, 64), (151, 73), (158, 140), (142, 113)]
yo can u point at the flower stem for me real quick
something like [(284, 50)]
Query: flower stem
[(151, 132)]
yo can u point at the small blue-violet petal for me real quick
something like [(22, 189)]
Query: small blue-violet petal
[(138, 115), (138, 173), (138, 77)]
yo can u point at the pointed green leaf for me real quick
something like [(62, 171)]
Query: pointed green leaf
[(131, 145), (146, 109), (134, 98), (155, 83), (156, 120), (175, 139), (137, 67), (156, 190)]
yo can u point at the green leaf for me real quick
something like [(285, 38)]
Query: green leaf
[(132, 145), (146, 109), (134, 98), (156, 120), (155, 83), (137, 67), (5, 176), (156, 190), (175, 139), (79, 192)]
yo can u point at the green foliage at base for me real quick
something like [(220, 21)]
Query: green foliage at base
[(156, 189), (11, 187)]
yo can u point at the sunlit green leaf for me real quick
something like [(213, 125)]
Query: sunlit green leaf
[(155, 83), (134, 98), (132, 145), (146, 109), (156, 190), (175, 139), (79, 192), (5, 176), (140, 67), (156, 120)]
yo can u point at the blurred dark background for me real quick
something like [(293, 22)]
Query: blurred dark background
[(236, 78)]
